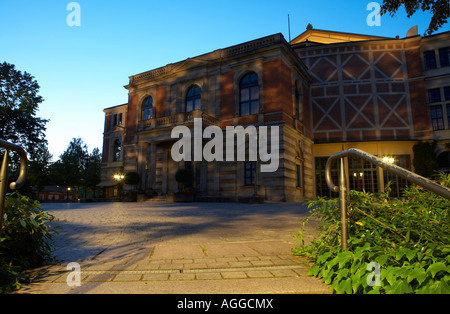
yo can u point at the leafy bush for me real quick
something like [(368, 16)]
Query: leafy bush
[(26, 239), (408, 238)]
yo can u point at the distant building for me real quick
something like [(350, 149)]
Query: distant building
[(326, 91)]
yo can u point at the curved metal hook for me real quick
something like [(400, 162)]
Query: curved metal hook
[(23, 164)]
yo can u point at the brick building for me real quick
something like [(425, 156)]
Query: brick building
[(326, 91)]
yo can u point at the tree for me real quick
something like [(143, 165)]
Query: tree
[(19, 102), (93, 169), (76, 168), (439, 8), (39, 168), (68, 171)]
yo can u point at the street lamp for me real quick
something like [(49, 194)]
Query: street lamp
[(119, 178)]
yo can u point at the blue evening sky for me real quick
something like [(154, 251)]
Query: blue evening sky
[(82, 70)]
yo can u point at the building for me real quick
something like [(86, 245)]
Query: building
[(326, 92)]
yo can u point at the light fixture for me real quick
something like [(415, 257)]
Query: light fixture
[(388, 159), (118, 177)]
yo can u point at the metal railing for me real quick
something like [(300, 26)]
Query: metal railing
[(401, 172), (4, 174)]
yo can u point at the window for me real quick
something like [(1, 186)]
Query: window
[(430, 60), (249, 173), (117, 150), (444, 56), (437, 118), (448, 115), (194, 99), (434, 95), (118, 119), (147, 109), (299, 176), (447, 93), (249, 95)]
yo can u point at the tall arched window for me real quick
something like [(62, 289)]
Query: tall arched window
[(117, 150), (249, 95), (194, 99), (147, 109)]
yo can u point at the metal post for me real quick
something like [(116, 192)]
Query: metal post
[(3, 187), (343, 206)]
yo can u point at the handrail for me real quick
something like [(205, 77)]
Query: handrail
[(401, 172), (4, 173), (23, 163)]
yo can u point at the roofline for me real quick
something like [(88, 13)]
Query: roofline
[(337, 32), (115, 107)]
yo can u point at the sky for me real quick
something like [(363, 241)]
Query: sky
[(83, 69)]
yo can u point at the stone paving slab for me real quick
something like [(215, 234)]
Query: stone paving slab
[(182, 248)]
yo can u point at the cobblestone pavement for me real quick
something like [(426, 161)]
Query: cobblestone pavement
[(177, 248)]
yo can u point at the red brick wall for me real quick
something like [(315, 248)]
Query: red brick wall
[(132, 117), (105, 153), (227, 95), (161, 100), (277, 83)]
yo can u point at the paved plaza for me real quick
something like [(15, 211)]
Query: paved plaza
[(192, 248)]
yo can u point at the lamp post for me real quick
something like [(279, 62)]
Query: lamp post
[(119, 178)]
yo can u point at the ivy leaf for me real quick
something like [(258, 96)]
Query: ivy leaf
[(345, 286), (399, 287), (410, 254), (23, 223), (435, 268), (417, 273), (344, 257), (382, 259), (437, 287), (314, 271)]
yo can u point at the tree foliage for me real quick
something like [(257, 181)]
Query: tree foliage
[(76, 167), (19, 102), (440, 9)]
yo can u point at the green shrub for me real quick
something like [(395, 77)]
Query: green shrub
[(408, 238), (26, 239)]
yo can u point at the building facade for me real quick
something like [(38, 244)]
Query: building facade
[(325, 91)]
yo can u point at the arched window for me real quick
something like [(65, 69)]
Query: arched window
[(194, 99), (249, 95), (147, 109), (117, 150)]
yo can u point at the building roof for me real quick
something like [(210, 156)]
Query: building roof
[(114, 107), (320, 36)]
